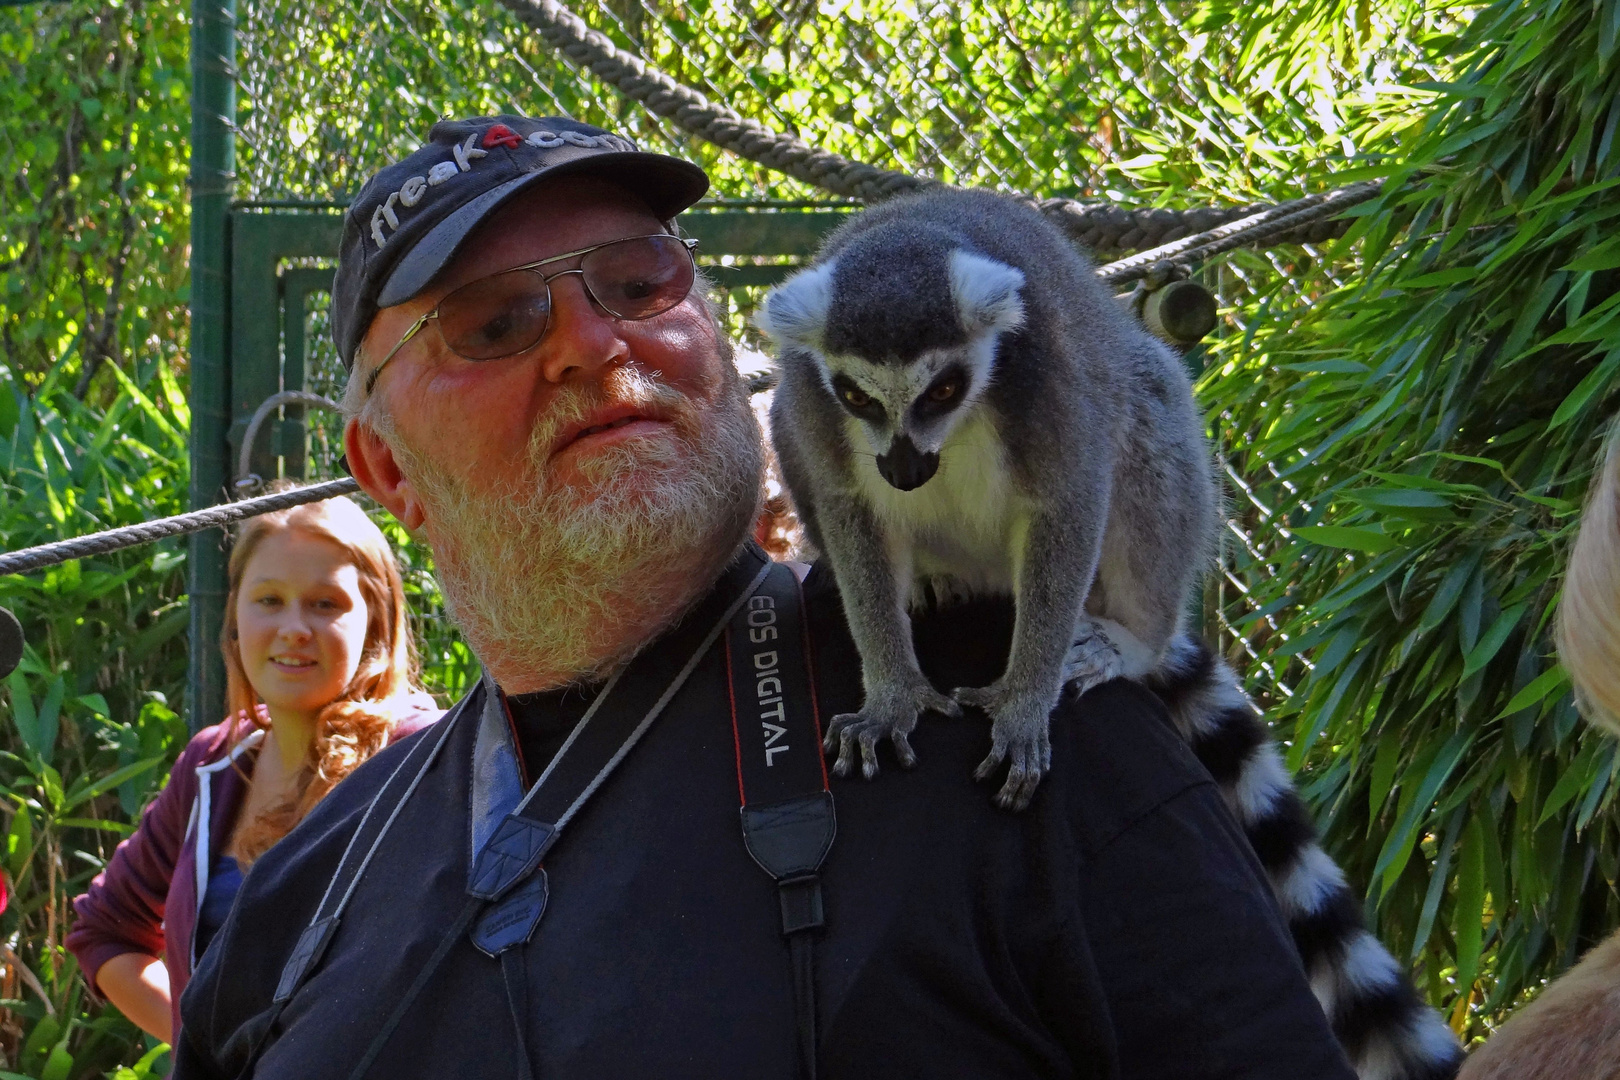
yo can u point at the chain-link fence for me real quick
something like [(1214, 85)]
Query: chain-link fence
[(1043, 97), (1125, 101)]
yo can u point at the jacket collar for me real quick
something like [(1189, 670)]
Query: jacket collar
[(497, 780), (250, 742), (202, 816)]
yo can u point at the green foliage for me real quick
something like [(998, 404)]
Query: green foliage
[(1050, 97), (1410, 422), (91, 716), (1415, 443), (94, 115)]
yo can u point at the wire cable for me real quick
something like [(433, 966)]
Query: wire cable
[(213, 517)]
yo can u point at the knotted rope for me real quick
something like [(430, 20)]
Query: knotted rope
[(1098, 226), (1180, 237)]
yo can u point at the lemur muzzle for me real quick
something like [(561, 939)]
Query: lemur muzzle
[(905, 467)]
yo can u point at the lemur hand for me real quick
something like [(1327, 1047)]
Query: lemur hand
[(1020, 734), (889, 712), (1093, 659)]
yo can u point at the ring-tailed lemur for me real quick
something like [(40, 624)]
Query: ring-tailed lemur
[(960, 334), (956, 332)]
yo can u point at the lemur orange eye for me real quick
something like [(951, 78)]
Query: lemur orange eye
[(856, 397), (945, 391)]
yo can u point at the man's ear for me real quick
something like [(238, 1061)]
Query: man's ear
[(371, 461)]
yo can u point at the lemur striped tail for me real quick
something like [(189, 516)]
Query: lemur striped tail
[(1387, 1031)]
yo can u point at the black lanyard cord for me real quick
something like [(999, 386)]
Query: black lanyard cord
[(469, 911), (514, 972), (433, 754), (802, 951), (313, 941)]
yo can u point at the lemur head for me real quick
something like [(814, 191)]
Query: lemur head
[(903, 324)]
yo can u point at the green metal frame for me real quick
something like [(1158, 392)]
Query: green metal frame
[(260, 241), (213, 163), (255, 347)]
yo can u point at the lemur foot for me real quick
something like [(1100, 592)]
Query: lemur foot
[(887, 713), (1093, 659), (1020, 734)]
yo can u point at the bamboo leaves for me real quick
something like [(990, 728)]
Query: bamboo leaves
[(1426, 530), (1469, 912)]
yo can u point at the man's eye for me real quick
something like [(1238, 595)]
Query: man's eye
[(855, 397), (494, 330), (945, 391)]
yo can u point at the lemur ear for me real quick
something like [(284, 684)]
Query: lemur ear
[(986, 292), (795, 312)]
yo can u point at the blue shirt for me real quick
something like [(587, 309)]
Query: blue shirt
[(224, 882)]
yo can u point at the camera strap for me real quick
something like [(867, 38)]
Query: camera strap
[(787, 814), (788, 822)]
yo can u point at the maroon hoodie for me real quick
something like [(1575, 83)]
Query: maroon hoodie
[(148, 895)]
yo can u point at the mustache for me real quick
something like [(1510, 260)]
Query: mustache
[(623, 386)]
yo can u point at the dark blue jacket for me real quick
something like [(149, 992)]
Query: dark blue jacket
[(1120, 927)]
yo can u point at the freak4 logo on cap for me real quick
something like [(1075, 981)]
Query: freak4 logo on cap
[(411, 191), (465, 153)]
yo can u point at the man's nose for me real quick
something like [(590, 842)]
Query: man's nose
[(582, 338)]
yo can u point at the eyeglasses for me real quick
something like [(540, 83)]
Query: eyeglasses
[(507, 313)]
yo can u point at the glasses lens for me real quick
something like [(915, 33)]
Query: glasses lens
[(640, 277), (495, 316)]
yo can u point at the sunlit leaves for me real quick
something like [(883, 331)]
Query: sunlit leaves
[(93, 208), (1427, 530)]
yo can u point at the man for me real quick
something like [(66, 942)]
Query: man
[(538, 391)]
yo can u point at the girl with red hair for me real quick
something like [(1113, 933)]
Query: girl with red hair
[(321, 675)]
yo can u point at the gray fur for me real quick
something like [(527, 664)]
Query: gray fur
[(1073, 473)]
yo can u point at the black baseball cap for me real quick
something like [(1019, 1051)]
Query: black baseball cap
[(410, 218)]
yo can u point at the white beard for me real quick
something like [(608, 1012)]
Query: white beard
[(553, 583)]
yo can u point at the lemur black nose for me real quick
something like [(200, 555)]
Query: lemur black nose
[(905, 467)]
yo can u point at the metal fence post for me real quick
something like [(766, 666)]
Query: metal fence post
[(213, 176)]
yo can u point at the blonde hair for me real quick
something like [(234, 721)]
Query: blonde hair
[(1588, 629), (360, 720)]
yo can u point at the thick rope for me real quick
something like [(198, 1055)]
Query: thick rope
[(1278, 220), (663, 96), (213, 517), (1104, 227), (1098, 226), (1183, 236)]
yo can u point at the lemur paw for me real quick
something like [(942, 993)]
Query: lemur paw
[(1093, 659), (887, 713), (1020, 734)]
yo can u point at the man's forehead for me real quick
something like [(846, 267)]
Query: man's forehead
[(549, 220)]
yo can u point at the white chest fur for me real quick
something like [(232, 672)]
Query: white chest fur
[(963, 529)]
